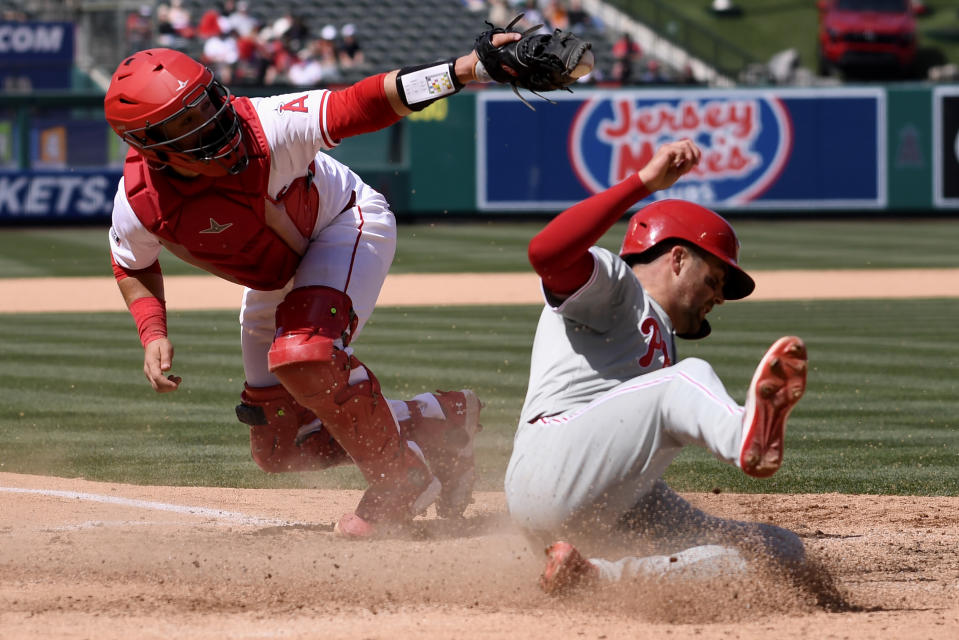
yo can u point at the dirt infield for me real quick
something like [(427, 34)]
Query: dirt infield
[(91, 560), (81, 559), (23, 295)]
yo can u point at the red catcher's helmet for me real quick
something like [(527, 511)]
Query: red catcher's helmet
[(171, 109), (681, 220)]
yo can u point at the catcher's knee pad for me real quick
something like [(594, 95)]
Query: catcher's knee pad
[(284, 435), (312, 323), (308, 323)]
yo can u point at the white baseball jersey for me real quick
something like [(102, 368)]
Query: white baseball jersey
[(350, 249), (604, 414), (295, 130), (607, 409), (604, 334)]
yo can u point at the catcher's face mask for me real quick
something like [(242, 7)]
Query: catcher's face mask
[(171, 109)]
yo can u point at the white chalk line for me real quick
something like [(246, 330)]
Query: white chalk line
[(215, 514), (119, 524)]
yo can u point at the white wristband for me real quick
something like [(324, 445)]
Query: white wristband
[(482, 75), (419, 86)]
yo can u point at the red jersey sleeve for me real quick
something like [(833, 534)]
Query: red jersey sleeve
[(360, 108), (560, 252)]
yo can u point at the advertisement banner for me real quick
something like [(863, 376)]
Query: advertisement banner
[(36, 55), (945, 120), (61, 196), (762, 149), (910, 164)]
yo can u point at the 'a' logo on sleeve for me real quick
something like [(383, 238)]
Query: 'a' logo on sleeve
[(298, 105)]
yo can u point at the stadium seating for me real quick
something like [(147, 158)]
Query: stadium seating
[(395, 33)]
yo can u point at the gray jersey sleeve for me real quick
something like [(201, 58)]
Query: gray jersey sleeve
[(598, 337)]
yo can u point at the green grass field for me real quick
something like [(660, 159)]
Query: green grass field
[(879, 415), (501, 247)]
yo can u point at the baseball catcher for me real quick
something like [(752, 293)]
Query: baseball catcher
[(537, 62), (241, 187)]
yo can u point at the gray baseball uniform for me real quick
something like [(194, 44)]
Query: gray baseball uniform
[(607, 409)]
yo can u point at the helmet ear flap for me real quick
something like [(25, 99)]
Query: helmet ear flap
[(698, 226)]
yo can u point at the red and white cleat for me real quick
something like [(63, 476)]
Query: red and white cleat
[(387, 508), (447, 442), (776, 387), (457, 471), (382, 513), (566, 569)]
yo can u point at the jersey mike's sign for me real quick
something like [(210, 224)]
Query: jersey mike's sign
[(745, 142), (769, 149)]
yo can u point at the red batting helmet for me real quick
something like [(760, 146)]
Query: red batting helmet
[(681, 220), (171, 109)]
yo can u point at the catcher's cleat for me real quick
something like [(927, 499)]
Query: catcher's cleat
[(566, 569), (387, 509), (447, 443), (457, 471), (776, 387)]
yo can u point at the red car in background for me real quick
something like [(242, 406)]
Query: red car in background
[(866, 34)]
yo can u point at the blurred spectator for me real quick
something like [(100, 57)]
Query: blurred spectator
[(500, 13), (652, 73), (555, 15), (475, 6), (325, 51), (252, 60), (328, 33), (349, 52), (298, 35), (306, 70), (282, 24), (220, 53), (280, 62), (181, 20), (209, 24), (626, 55), (225, 9), (579, 19), (241, 21), (166, 35), (139, 28), (532, 16)]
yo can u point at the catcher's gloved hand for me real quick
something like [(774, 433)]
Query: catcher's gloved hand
[(543, 62)]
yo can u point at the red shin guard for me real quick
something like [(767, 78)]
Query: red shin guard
[(317, 374), (285, 436)]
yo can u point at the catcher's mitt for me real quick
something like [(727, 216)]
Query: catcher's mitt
[(543, 62)]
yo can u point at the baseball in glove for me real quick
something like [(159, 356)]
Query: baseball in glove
[(537, 62)]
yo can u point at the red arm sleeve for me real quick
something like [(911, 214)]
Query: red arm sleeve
[(360, 108), (150, 317), (149, 312), (560, 252)]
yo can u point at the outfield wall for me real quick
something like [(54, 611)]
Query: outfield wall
[(773, 151)]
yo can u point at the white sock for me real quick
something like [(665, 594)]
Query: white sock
[(400, 410), (703, 562), (429, 406)]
